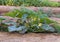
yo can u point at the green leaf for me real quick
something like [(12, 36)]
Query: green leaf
[(57, 27), (48, 28), (20, 29)]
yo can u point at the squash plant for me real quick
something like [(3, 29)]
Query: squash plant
[(30, 21)]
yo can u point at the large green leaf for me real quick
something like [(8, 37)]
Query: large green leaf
[(48, 28)]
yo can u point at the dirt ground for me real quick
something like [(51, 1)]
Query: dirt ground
[(30, 37)]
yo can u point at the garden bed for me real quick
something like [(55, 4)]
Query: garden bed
[(27, 25), (30, 37)]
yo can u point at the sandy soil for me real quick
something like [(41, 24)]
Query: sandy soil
[(31, 37), (52, 10)]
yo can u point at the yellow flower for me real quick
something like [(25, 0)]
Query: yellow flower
[(34, 19), (40, 24)]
